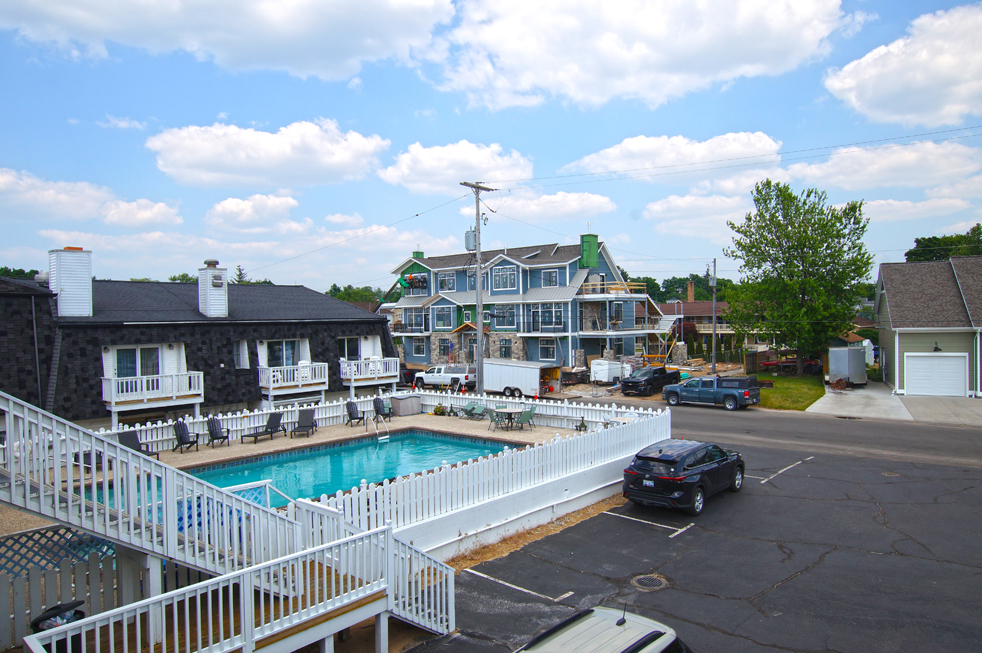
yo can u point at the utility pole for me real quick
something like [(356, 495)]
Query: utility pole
[(713, 282), (476, 187)]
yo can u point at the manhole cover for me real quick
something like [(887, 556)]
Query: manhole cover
[(650, 582)]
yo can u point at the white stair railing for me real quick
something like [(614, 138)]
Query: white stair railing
[(60, 471)]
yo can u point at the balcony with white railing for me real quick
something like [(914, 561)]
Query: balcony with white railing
[(371, 371), (288, 379), (138, 392)]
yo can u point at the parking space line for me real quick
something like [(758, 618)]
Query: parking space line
[(759, 478), (785, 469), (678, 531), (520, 589)]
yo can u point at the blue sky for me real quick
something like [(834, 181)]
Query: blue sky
[(320, 142)]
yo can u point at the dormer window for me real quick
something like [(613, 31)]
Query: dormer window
[(504, 277)]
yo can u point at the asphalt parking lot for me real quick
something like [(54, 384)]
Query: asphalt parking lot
[(817, 553)]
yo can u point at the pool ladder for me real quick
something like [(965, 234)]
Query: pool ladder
[(374, 422)]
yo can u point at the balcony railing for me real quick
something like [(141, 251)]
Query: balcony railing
[(417, 326), (159, 387), (294, 376), (369, 369), (604, 323), (540, 326), (613, 288)]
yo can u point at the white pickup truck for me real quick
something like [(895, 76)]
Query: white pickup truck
[(443, 375)]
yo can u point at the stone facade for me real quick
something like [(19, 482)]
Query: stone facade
[(20, 364)]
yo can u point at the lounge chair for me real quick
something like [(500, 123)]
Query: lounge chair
[(524, 417), (497, 419), (131, 440), (185, 439), (272, 426), (217, 433), (381, 410), (480, 412), (468, 410), (354, 415), (305, 423)]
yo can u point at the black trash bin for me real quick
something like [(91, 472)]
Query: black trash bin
[(59, 613)]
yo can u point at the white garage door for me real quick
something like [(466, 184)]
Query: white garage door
[(944, 375)]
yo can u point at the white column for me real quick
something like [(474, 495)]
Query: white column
[(382, 633), (327, 644)]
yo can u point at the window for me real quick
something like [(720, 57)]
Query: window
[(504, 316), (618, 315), (348, 348), (505, 347), (467, 316), (471, 281), (715, 453), (447, 281), (708, 383), (443, 317), (547, 349), (240, 355), (546, 315), (487, 316), (697, 459), (550, 278), (137, 361), (419, 346), (415, 318), (504, 278), (282, 353), (445, 346)]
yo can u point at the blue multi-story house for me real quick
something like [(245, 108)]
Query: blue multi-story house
[(562, 303)]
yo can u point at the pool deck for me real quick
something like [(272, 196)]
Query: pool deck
[(12, 520), (450, 425)]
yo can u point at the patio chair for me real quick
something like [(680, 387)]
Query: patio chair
[(524, 417), (479, 413), (381, 410), (217, 433), (468, 410), (305, 423), (354, 415), (185, 439), (272, 426), (131, 440), (532, 416), (497, 419)]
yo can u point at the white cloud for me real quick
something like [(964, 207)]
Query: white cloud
[(698, 216), (440, 169), (222, 115), (300, 153), (893, 210), (958, 227), (140, 213), (931, 77), (355, 84), (916, 165), (971, 187), (741, 183), (21, 193), (518, 53), (561, 206), (258, 214), (330, 40), (122, 123), (342, 220), (661, 158), (853, 23)]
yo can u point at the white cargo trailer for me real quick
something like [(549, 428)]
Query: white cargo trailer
[(609, 371), (517, 378), (847, 363)]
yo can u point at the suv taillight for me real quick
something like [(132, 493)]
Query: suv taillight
[(672, 478), (746, 394)]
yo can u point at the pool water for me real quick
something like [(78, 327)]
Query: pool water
[(313, 471)]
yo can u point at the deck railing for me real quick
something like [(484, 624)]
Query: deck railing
[(187, 385), (57, 470), (604, 323), (415, 326), (299, 376), (369, 369), (238, 609), (613, 288)]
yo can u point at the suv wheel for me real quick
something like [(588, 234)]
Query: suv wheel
[(698, 502), (673, 399), (730, 403), (737, 483)]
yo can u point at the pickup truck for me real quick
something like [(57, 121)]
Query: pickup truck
[(732, 391), (443, 375), (646, 380)]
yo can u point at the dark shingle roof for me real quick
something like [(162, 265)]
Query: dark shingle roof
[(968, 271), (151, 301), (693, 309), (924, 294), (545, 256), (10, 286)]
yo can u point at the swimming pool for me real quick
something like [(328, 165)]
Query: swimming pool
[(325, 469)]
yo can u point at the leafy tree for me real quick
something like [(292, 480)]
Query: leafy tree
[(17, 273), (144, 279), (183, 277), (942, 248), (803, 263), (689, 331), (870, 334), (351, 294)]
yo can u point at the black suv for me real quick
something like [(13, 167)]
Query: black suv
[(682, 474)]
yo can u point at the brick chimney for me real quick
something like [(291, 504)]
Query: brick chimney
[(692, 290)]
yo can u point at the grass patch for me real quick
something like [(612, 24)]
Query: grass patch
[(791, 393)]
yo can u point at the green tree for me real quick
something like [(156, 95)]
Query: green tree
[(17, 273), (351, 294), (183, 277), (942, 248), (240, 275), (144, 279), (803, 264)]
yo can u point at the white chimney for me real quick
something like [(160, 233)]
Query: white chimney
[(70, 277), (213, 290)]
